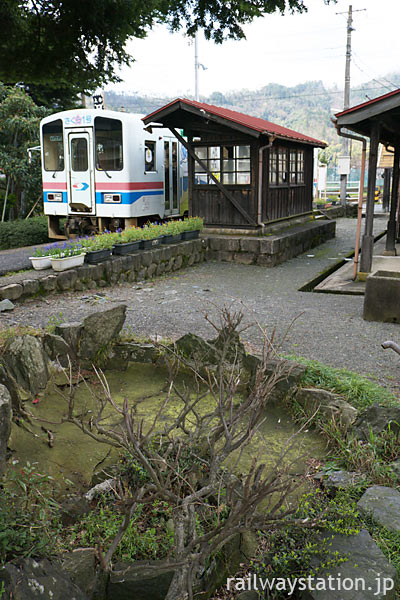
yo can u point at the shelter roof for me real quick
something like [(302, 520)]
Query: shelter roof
[(385, 110), (181, 111)]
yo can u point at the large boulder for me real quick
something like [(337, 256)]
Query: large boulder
[(327, 405), (27, 362), (377, 419), (57, 348), (99, 330), (10, 384), (361, 577), (5, 425), (383, 505), (139, 581), (28, 579)]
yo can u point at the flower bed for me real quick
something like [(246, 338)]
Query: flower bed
[(98, 247)]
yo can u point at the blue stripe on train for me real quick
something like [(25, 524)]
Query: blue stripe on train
[(127, 197)]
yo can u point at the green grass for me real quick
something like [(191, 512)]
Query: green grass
[(358, 391)]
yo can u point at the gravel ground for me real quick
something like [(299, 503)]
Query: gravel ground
[(325, 327)]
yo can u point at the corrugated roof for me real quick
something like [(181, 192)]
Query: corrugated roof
[(254, 123), (368, 103)]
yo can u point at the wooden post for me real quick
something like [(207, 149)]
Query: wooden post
[(386, 189), (368, 237), (390, 248)]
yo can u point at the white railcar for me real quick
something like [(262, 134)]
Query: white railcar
[(102, 170)]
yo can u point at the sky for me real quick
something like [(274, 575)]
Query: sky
[(287, 49)]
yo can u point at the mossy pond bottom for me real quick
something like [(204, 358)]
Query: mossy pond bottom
[(76, 456)]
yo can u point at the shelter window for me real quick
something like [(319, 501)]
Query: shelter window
[(53, 146), (286, 167), (108, 140), (229, 164), (150, 156)]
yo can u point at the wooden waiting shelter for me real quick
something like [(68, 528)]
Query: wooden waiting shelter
[(243, 171), (378, 119)]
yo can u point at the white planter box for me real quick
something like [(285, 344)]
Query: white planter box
[(40, 262), (69, 262)]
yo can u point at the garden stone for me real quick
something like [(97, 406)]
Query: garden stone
[(27, 362), (79, 286), (376, 419), (31, 287), (365, 561), (11, 292), (5, 425), (6, 305), (248, 596), (80, 566), (10, 384), (193, 346), (49, 283), (139, 582), (57, 348), (339, 480), (66, 279), (102, 283), (178, 263), (395, 466), (74, 508), (328, 405), (383, 505), (141, 274), (31, 580), (151, 270), (71, 333), (99, 330)]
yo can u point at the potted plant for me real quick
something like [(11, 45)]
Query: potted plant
[(67, 256), (151, 236), (41, 259), (128, 242), (173, 231), (191, 228), (99, 247)]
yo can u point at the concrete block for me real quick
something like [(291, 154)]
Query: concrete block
[(250, 245), (245, 258), (382, 297)]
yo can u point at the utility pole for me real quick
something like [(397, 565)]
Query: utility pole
[(197, 66), (345, 163)]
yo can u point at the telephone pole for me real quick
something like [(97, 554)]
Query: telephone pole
[(346, 104)]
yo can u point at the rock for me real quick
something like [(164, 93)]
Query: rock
[(100, 488), (31, 287), (27, 362), (366, 563), (376, 419), (329, 406), (49, 283), (99, 330), (80, 566), (395, 466), (6, 305), (248, 596), (30, 580), (11, 292), (339, 480), (192, 346), (139, 581), (383, 505), (11, 386), (71, 333), (74, 508), (5, 425), (57, 348)]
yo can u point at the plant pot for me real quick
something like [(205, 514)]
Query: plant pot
[(40, 262), (96, 256), (172, 238), (126, 248), (147, 244), (190, 235), (68, 262)]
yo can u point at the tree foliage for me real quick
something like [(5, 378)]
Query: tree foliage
[(19, 130), (69, 45)]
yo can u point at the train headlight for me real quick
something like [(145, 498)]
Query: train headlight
[(55, 197), (112, 198)]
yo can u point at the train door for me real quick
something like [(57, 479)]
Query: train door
[(81, 197), (171, 178)]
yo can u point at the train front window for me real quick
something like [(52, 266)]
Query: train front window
[(108, 140), (53, 146)]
